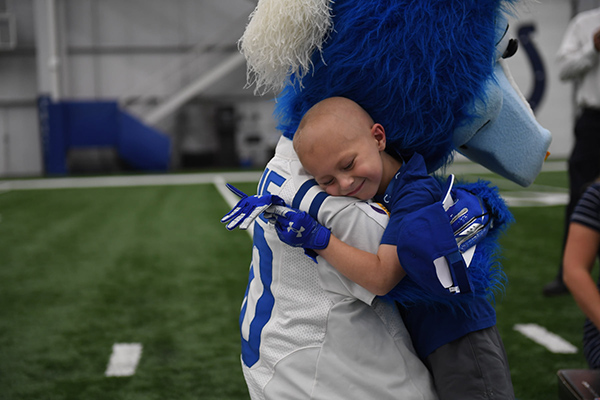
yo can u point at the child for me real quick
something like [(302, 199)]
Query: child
[(343, 148)]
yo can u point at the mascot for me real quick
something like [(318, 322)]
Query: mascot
[(433, 72)]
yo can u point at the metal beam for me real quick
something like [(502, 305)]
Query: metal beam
[(201, 84), (48, 48)]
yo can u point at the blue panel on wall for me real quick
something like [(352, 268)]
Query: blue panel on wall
[(92, 123), (142, 146), (81, 124), (53, 135)]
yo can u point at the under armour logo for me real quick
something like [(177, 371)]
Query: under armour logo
[(298, 231)]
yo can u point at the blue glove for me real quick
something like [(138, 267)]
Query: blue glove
[(298, 229), (469, 218), (248, 208)]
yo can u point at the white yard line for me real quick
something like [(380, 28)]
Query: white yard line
[(543, 337), (467, 167), (542, 196), (229, 197), (554, 166), (535, 199), (130, 180), (124, 359), (4, 187)]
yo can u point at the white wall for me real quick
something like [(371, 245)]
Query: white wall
[(148, 49), (550, 18), (111, 49), (20, 149), (142, 47)]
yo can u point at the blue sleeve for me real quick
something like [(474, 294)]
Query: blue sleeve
[(316, 202), (410, 190)]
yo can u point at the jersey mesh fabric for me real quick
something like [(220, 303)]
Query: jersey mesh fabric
[(301, 307)]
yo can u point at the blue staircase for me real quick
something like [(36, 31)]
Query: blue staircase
[(69, 125)]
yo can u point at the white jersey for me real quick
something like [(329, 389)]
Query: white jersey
[(307, 331)]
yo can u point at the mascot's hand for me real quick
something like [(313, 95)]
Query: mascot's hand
[(298, 229), (248, 208), (469, 218)]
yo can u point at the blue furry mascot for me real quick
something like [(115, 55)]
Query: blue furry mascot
[(431, 71)]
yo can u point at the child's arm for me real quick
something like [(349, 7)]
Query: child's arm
[(378, 273)]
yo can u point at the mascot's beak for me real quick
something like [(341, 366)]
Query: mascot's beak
[(505, 137)]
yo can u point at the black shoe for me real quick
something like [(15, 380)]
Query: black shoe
[(555, 288)]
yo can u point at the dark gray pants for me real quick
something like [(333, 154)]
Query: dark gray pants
[(471, 368)]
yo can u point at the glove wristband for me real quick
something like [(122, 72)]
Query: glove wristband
[(321, 238)]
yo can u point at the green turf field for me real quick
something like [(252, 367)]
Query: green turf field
[(82, 269)]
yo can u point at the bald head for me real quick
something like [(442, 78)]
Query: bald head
[(333, 120), (338, 143)]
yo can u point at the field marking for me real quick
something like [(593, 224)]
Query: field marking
[(4, 187), (544, 196), (543, 337), (129, 180), (124, 359), (231, 199), (462, 165), (534, 199)]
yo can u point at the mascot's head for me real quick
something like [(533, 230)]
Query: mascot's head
[(430, 71)]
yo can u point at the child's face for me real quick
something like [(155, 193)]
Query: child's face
[(345, 159)]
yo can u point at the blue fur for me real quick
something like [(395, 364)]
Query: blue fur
[(485, 271), (416, 67)]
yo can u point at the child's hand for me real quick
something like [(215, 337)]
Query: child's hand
[(298, 229), (248, 208)]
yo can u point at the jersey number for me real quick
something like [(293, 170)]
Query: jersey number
[(254, 317)]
